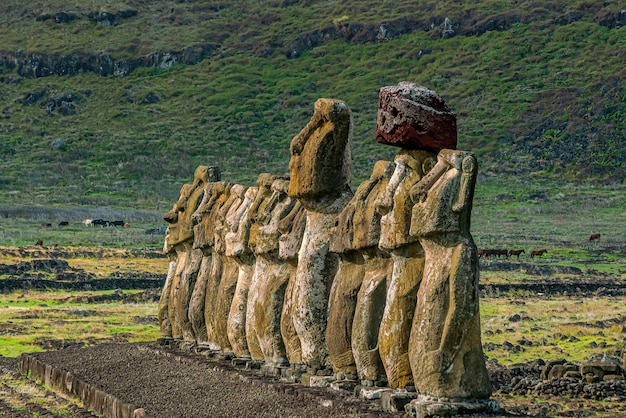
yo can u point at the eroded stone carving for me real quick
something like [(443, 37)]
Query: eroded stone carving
[(379, 285), (320, 170), (237, 248), (445, 349)]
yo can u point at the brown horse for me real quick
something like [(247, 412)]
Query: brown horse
[(538, 253), (516, 252), (594, 237)]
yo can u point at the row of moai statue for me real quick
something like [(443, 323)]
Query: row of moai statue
[(379, 285)]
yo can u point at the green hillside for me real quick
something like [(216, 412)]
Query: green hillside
[(114, 103)]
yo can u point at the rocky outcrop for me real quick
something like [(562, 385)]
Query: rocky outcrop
[(37, 64)]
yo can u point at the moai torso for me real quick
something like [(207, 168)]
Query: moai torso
[(237, 248), (371, 296)]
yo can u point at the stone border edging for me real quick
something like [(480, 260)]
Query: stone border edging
[(65, 382)]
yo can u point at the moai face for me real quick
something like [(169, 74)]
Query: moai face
[(443, 198), (320, 162), (395, 204), (180, 227)]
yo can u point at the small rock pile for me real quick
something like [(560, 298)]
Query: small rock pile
[(597, 380)]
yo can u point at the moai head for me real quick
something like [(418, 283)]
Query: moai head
[(260, 210), (443, 198), (215, 194), (413, 117), (180, 227), (395, 203), (366, 220), (320, 165), (239, 224)]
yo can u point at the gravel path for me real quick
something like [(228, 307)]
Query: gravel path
[(188, 385)]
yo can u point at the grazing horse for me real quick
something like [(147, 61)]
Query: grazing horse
[(516, 252), (46, 225), (88, 222), (63, 223), (594, 237), (538, 253)]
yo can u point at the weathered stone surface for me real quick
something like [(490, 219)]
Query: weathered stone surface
[(320, 170), (267, 290), (165, 326), (320, 167), (359, 219), (183, 292), (381, 283), (341, 308), (368, 315), (237, 248), (407, 257), (292, 231), (413, 117), (371, 297), (445, 348), (262, 243), (180, 226), (230, 267)]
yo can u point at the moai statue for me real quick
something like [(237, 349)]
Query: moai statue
[(196, 304), (213, 211), (180, 236), (320, 171), (445, 348), (237, 248), (259, 215), (230, 268), (166, 305), (371, 297), (267, 290), (407, 257), (417, 120), (292, 230), (343, 292)]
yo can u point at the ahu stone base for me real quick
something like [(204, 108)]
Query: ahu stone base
[(427, 406)]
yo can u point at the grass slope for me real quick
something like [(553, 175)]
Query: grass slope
[(541, 93)]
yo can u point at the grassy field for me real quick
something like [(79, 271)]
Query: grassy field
[(539, 92)]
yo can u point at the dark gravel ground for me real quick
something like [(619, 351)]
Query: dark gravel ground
[(190, 385)]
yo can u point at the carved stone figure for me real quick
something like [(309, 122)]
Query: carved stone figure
[(201, 243), (445, 348), (371, 296), (407, 257), (292, 230), (267, 290), (165, 326), (260, 215), (320, 170), (180, 237), (237, 248), (217, 269), (227, 282), (344, 289)]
